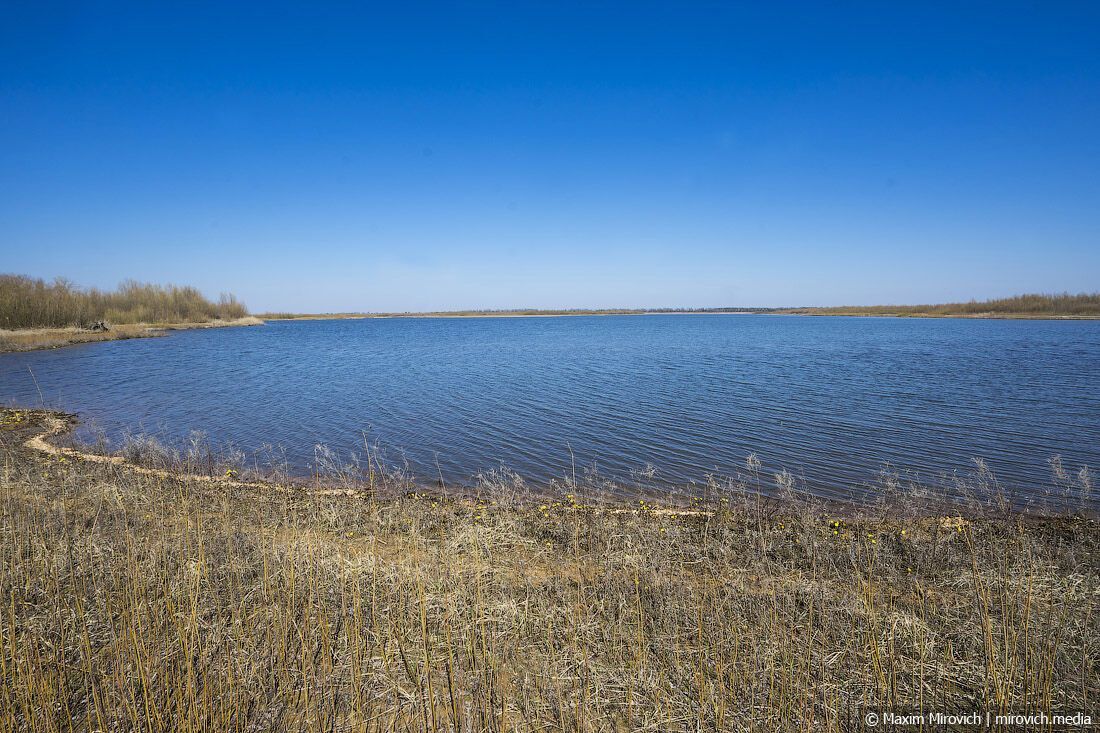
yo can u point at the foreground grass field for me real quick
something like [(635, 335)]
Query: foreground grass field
[(136, 600)]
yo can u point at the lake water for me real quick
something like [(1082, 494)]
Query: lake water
[(829, 399)]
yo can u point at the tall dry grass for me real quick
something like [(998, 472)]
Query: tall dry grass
[(34, 303), (143, 602)]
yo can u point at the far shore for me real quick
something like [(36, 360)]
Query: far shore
[(500, 314), (34, 339), (1029, 306), (964, 316), (739, 312), (1023, 307)]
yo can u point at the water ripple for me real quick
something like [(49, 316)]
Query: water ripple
[(830, 399)]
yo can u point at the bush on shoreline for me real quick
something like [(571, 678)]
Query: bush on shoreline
[(27, 302)]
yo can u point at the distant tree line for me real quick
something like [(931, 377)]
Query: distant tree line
[(27, 302), (513, 312), (1064, 304)]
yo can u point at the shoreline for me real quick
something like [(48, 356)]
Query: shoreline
[(963, 316), (38, 339), (53, 423), (455, 605), (760, 312), (673, 500), (503, 314)]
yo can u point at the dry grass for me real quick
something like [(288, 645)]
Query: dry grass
[(30, 339), (142, 601)]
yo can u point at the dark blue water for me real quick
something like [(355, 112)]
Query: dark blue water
[(829, 399)]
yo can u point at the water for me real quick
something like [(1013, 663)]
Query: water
[(830, 399)]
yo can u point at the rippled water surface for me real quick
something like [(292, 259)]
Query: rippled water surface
[(830, 399)]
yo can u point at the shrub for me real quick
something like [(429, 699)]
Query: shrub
[(27, 302)]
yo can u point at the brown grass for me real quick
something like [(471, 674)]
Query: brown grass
[(146, 601), (30, 339)]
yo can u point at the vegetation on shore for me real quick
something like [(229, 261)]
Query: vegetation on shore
[(35, 314), (1020, 306), (29, 303), (1084, 305), (158, 601), (503, 313), (34, 303), (32, 339)]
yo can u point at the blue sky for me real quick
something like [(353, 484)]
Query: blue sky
[(553, 154)]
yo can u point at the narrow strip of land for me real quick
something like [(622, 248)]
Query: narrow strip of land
[(511, 313), (33, 339), (1083, 305), (1036, 306)]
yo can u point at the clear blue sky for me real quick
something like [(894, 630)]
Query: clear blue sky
[(553, 154)]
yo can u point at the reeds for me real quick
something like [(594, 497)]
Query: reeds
[(34, 303), (145, 602)]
